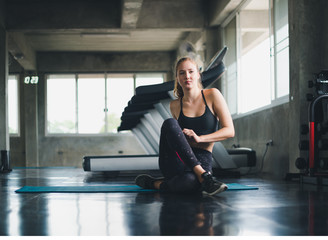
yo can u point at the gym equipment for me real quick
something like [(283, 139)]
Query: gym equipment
[(324, 163), (304, 129), (114, 163), (314, 168), (300, 163), (144, 115), (303, 145), (314, 137)]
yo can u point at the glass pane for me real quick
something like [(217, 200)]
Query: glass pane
[(148, 79), (91, 103), (282, 78), (120, 90), (282, 47), (255, 83), (61, 104), (13, 104), (281, 19)]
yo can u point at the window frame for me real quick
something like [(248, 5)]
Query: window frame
[(275, 101), (17, 78), (107, 75)]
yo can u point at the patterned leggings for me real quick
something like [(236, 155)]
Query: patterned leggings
[(177, 159)]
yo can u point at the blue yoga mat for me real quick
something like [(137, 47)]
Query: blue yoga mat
[(107, 189), (237, 186)]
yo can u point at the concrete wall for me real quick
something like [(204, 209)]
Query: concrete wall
[(101, 62), (308, 56), (255, 130)]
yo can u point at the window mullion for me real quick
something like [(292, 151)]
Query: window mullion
[(76, 104), (238, 59), (134, 82), (106, 104), (272, 36), (275, 54)]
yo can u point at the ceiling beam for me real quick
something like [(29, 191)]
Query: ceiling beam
[(220, 10), (21, 51), (60, 62), (130, 13), (187, 14), (62, 15), (103, 15)]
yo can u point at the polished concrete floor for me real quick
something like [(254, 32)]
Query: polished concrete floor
[(278, 208)]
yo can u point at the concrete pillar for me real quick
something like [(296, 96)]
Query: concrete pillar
[(31, 124), (4, 129), (213, 43), (306, 41)]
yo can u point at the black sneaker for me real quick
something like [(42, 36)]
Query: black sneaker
[(211, 186), (145, 181)]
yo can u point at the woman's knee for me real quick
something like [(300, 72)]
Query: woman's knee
[(170, 124)]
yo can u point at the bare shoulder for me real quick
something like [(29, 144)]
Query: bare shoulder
[(213, 94), (216, 102), (175, 108)]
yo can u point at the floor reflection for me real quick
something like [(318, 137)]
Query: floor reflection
[(186, 215), (183, 215), (278, 208), (81, 215), (317, 214)]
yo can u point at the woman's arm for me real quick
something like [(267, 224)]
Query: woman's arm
[(174, 108)]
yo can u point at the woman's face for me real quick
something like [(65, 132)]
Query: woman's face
[(187, 74)]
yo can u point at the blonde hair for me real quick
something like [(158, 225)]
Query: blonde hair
[(178, 92)]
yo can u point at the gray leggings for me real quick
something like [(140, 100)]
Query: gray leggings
[(177, 159)]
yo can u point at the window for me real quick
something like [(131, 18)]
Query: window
[(61, 104), (13, 109), (148, 79), (280, 48), (119, 92), (257, 61), (90, 103)]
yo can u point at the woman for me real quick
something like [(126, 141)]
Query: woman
[(187, 139)]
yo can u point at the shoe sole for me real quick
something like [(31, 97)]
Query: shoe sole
[(222, 188)]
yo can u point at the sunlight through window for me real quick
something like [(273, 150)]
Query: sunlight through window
[(258, 58), (13, 105), (91, 103)]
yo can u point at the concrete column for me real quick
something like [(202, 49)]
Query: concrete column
[(306, 41), (31, 124), (4, 129), (213, 43)]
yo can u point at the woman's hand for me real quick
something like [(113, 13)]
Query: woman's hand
[(191, 135)]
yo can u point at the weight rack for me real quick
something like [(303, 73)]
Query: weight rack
[(314, 168)]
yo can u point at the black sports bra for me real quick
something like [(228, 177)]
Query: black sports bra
[(202, 125)]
